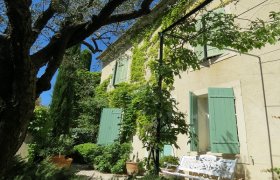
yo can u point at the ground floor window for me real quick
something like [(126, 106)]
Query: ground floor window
[(213, 121)]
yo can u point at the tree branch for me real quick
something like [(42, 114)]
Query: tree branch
[(43, 83), (145, 9), (43, 56), (83, 30), (110, 7), (91, 48), (41, 22)]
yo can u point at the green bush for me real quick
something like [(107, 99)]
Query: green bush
[(38, 150), (88, 151), (40, 124), (20, 170), (113, 158), (82, 135), (43, 143), (109, 159), (168, 159)]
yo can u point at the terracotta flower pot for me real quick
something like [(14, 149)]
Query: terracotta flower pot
[(132, 168), (61, 161)]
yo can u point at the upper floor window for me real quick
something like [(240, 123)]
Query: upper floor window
[(206, 51), (120, 71)]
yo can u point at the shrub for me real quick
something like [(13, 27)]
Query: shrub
[(20, 169), (88, 152), (168, 159), (40, 123), (82, 135), (50, 146), (109, 159), (113, 158)]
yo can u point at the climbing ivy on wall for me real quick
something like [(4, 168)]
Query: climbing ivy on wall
[(146, 43), (139, 58)]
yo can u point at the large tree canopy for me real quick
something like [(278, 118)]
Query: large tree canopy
[(37, 33)]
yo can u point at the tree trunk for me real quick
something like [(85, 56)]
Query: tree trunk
[(17, 97)]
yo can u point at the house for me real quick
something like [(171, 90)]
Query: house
[(232, 102)]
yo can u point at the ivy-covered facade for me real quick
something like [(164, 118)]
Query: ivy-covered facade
[(231, 106)]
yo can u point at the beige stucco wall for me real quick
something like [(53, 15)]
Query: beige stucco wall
[(243, 74)]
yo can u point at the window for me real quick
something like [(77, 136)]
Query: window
[(109, 126), (213, 120), (206, 51), (120, 71)]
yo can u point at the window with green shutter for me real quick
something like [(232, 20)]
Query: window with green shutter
[(193, 122), (218, 121), (109, 126), (120, 71), (211, 51), (223, 126)]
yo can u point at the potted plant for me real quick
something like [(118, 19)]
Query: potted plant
[(62, 146), (132, 167)]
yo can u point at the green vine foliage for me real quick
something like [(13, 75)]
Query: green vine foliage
[(122, 97), (139, 57), (172, 122), (101, 94)]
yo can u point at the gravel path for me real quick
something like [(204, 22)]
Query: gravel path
[(89, 174)]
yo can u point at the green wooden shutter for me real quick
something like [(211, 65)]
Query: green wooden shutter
[(109, 126), (193, 121), (213, 51), (121, 71), (223, 127)]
